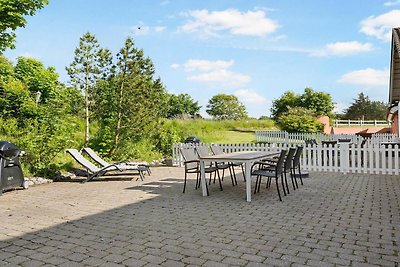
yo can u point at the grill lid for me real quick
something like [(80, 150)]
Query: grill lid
[(9, 150)]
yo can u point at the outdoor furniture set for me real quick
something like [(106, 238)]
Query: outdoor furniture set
[(200, 161)]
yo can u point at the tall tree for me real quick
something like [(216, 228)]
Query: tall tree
[(364, 108), (228, 107), (130, 101), (12, 14), (90, 64)]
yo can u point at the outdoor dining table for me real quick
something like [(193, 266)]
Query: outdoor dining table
[(246, 157)]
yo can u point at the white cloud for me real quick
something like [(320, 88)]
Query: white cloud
[(392, 3), (207, 65), (250, 96), (159, 28), (221, 77), (367, 77), (340, 107), (343, 49), (209, 23), (381, 26), (175, 66)]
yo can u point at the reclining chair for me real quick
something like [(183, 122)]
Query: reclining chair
[(94, 171), (123, 165)]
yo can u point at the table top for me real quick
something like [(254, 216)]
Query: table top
[(240, 156)]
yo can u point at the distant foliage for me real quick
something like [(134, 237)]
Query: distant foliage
[(180, 105), (226, 107), (319, 103), (364, 108), (300, 120)]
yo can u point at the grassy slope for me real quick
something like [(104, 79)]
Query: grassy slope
[(227, 131)]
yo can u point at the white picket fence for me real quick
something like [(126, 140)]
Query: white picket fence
[(345, 157), (299, 138), (375, 123)]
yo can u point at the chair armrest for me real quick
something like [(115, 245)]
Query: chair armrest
[(192, 161), (111, 165)]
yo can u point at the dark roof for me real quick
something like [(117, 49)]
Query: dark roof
[(394, 85)]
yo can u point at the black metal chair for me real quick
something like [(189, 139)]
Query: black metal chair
[(296, 165), (288, 167), (270, 171), (192, 165), (204, 151), (216, 150)]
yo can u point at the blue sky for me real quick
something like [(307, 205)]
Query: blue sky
[(253, 49)]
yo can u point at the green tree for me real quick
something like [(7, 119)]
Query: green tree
[(363, 108), (226, 107), (283, 103), (40, 80), (300, 120), (90, 64), (12, 14), (181, 104), (319, 102), (130, 102), (41, 128)]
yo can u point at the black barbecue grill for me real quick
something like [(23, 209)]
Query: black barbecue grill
[(11, 175)]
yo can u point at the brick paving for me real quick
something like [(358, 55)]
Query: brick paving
[(333, 220)]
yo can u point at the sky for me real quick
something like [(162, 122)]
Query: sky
[(253, 49)]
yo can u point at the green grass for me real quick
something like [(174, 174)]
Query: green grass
[(223, 131)]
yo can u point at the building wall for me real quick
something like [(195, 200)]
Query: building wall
[(395, 124)]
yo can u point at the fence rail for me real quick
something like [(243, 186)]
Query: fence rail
[(375, 123), (300, 138), (371, 157)]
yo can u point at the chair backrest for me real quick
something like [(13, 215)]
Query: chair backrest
[(216, 150), (289, 159), (95, 157), (310, 142), (279, 164), (296, 158), (202, 151), (189, 154), (82, 160)]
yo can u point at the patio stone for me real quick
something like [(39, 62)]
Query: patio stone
[(332, 220)]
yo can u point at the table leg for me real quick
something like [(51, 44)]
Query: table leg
[(203, 178), (247, 168)]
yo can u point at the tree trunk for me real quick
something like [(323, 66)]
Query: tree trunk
[(119, 118), (87, 109)]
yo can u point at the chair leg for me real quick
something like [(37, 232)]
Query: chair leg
[(141, 175), (230, 172), (197, 180), (234, 174), (255, 187), (287, 187), (259, 184), (184, 183), (244, 177), (219, 180), (301, 179), (283, 185), (277, 187), (293, 177)]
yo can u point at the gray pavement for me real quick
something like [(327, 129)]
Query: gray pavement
[(332, 220)]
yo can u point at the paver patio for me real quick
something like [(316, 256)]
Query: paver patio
[(333, 220)]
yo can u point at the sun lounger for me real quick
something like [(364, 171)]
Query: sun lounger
[(94, 171), (123, 165)]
